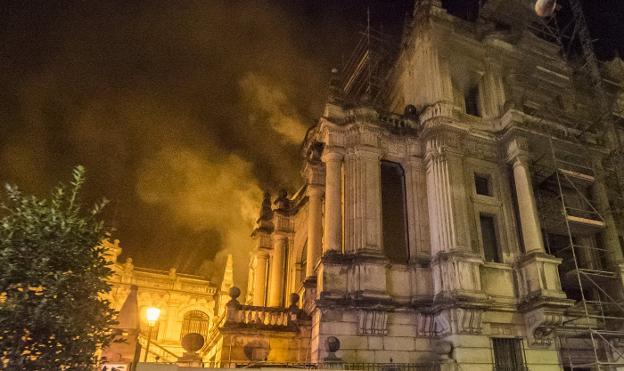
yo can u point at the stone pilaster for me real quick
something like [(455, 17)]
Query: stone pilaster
[(446, 194), (261, 261), (333, 194), (416, 198), (276, 283), (314, 179), (455, 265), (363, 202)]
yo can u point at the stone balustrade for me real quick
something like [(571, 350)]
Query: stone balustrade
[(242, 315), (263, 316)]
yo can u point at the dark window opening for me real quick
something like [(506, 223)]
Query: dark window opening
[(482, 185), (508, 354), (393, 211), (488, 236), (464, 9), (471, 100)]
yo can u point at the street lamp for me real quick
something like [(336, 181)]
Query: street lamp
[(152, 317)]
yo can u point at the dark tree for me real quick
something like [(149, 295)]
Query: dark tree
[(53, 314)]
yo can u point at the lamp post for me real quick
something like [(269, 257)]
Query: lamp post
[(152, 316)]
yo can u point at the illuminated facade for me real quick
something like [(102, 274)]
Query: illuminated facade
[(439, 234), (187, 303)]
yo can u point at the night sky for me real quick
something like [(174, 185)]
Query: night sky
[(181, 111)]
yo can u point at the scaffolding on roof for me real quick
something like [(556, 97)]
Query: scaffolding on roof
[(365, 73)]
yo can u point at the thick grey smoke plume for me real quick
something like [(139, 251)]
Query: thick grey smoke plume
[(183, 112)]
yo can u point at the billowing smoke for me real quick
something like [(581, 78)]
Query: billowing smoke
[(183, 112)]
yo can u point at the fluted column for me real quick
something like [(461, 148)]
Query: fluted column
[(260, 278), (527, 207), (370, 199), (455, 266), (315, 193), (446, 199), (332, 241), (276, 286)]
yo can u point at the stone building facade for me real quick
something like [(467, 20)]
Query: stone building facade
[(187, 304), (438, 234)]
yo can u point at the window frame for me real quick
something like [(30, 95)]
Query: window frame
[(406, 233), (519, 356), (488, 178)]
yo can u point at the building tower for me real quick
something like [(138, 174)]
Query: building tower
[(463, 218)]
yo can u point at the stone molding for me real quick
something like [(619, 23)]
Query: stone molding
[(541, 324), (450, 321)]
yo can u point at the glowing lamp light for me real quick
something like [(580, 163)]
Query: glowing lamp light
[(152, 315)]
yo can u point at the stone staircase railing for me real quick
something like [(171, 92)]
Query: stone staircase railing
[(161, 353)]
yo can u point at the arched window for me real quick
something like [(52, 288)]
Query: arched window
[(195, 321), (393, 211)]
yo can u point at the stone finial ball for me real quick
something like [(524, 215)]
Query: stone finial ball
[(332, 343), (192, 342), (234, 292), (294, 299)]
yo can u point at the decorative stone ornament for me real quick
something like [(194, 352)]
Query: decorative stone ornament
[(332, 345)]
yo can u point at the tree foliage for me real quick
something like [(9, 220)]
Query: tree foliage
[(53, 315)]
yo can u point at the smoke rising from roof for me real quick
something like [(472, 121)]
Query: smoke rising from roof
[(182, 113)]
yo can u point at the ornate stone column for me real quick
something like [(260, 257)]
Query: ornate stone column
[(314, 175), (363, 201), (260, 258), (538, 277), (446, 194), (332, 241), (454, 264), (315, 229), (276, 286), (518, 155), (261, 261)]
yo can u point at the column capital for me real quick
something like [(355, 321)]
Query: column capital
[(314, 174), (332, 154), (518, 150)]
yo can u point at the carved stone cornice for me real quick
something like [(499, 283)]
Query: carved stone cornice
[(443, 139), (481, 148)]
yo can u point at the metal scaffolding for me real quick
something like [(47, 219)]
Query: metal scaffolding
[(564, 177)]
